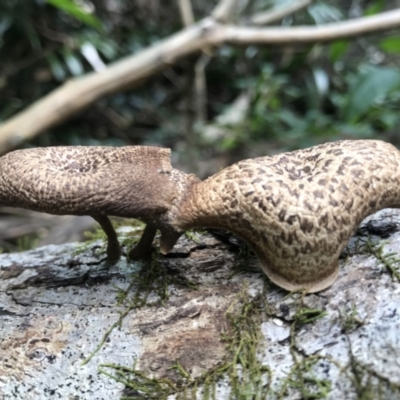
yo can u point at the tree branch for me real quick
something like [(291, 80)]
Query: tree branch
[(307, 34), (133, 70)]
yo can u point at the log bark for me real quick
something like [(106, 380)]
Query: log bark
[(173, 317)]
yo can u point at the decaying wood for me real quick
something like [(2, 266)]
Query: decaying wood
[(57, 302)]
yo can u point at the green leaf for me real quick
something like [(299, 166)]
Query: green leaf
[(389, 118), (109, 49), (73, 10), (391, 44), (375, 8), (5, 23), (323, 13), (73, 63), (370, 87), (56, 68), (92, 56), (337, 49)]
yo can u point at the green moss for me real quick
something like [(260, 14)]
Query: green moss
[(126, 239), (27, 242), (306, 315), (152, 279), (301, 378), (193, 234), (248, 378), (390, 261), (350, 319), (91, 237), (368, 384), (140, 386), (241, 368)]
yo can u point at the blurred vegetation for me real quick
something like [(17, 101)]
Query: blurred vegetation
[(260, 99)]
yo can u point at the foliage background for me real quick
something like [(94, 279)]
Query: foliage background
[(259, 99)]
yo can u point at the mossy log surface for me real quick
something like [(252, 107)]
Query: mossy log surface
[(74, 327)]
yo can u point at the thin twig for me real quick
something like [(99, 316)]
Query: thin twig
[(201, 88), (186, 10), (224, 10), (276, 14), (196, 106), (306, 34)]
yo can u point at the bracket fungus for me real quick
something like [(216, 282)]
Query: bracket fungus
[(132, 182), (296, 210)]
